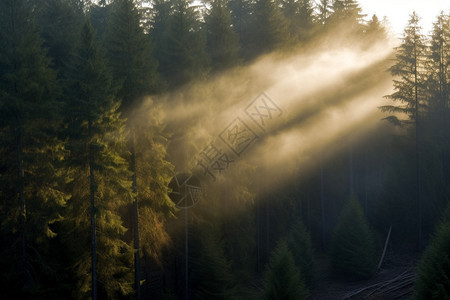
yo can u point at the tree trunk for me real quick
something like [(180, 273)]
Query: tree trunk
[(418, 181), (23, 209), (92, 188), (322, 204), (137, 258)]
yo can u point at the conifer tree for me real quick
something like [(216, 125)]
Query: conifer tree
[(299, 242), (409, 75), (210, 271), (134, 69), (409, 85), (299, 14), (434, 266), (349, 14), (283, 278), (158, 26), (241, 19), (324, 12), (352, 246), (182, 55), (31, 160), (375, 31), (101, 187), (269, 28), (221, 40), (438, 71), (57, 20)]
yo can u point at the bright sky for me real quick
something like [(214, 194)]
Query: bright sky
[(398, 11)]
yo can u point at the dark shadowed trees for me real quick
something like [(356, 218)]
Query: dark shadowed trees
[(352, 247), (31, 178), (221, 40), (101, 185)]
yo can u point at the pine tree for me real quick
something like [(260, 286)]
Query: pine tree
[(324, 12), (349, 14), (158, 26), (130, 54), (409, 85), (434, 267), (283, 278), (352, 246), (375, 31), (151, 175), (409, 75), (31, 160), (269, 28), (241, 18), (299, 14), (134, 69), (210, 272), (299, 242), (182, 55), (438, 82), (433, 134), (221, 40), (57, 20), (101, 187)]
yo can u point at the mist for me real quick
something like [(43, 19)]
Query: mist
[(326, 92)]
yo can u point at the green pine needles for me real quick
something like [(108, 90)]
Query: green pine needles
[(299, 243), (434, 268), (283, 277), (352, 245)]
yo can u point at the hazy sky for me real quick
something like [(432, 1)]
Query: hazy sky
[(398, 11)]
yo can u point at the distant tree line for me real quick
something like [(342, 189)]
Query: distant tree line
[(84, 206)]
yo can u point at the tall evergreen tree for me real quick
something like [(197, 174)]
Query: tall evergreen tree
[(324, 12), (375, 30), (409, 78), (134, 69), (182, 55), (299, 243), (221, 40), (438, 71), (210, 271), (283, 278), (101, 187), (57, 21), (269, 28), (241, 19), (31, 173), (159, 23), (349, 14), (352, 246), (299, 14), (434, 266)]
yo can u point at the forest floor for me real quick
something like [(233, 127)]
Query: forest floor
[(394, 280)]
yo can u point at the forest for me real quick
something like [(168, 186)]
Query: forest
[(319, 143)]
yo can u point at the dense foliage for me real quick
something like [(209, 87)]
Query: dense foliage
[(434, 268), (283, 278), (352, 246), (86, 155)]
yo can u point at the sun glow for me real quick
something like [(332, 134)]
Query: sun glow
[(326, 92)]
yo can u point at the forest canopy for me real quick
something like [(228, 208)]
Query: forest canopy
[(103, 102)]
